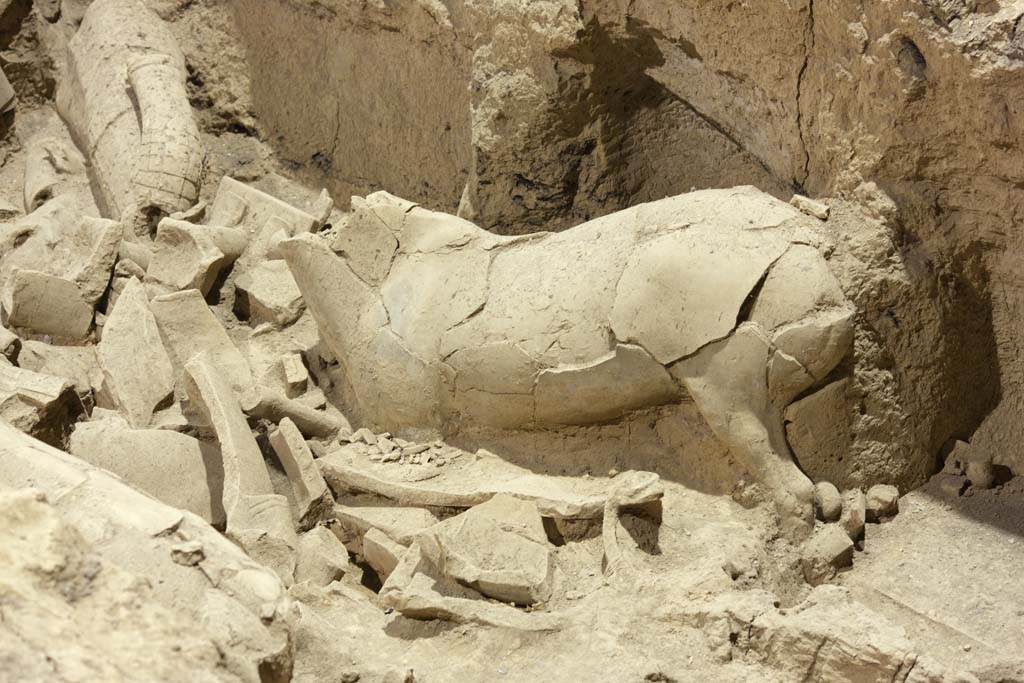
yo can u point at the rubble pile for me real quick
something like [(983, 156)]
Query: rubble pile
[(385, 448)]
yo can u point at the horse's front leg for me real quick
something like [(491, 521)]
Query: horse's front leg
[(728, 380)]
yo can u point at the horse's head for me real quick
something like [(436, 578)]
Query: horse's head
[(381, 224)]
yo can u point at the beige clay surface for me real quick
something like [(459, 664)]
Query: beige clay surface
[(491, 340)]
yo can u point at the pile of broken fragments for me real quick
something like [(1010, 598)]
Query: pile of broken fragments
[(187, 403), (165, 376), (831, 548), (164, 414), (184, 361), (140, 376), (177, 391)]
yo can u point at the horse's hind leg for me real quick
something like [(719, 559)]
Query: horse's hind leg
[(728, 380)]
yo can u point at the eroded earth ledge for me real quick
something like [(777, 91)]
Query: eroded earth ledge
[(475, 340)]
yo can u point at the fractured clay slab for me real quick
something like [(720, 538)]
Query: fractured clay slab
[(245, 473), (267, 293), (400, 524), (265, 220), (38, 404), (418, 590), (190, 328), (257, 518), (321, 558), (138, 377), (465, 483), (46, 304), (473, 549), (56, 262), (274, 406), (174, 468), (266, 346), (629, 490), (311, 495), (381, 553)]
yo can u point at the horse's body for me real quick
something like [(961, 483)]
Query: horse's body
[(715, 295)]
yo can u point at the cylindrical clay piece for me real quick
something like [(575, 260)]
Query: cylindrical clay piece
[(125, 101)]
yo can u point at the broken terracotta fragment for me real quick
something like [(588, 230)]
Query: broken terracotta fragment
[(263, 218), (268, 293), (268, 404), (189, 328), (320, 557), (473, 549), (829, 550), (174, 468), (138, 377), (312, 499), (400, 524), (416, 589), (468, 482), (189, 256), (257, 518), (381, 552), (630, 491), (41, 405), (46, 304)]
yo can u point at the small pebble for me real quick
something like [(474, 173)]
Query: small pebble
[(188, 553)]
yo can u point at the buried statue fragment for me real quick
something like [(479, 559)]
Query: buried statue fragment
[(719, 298)]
